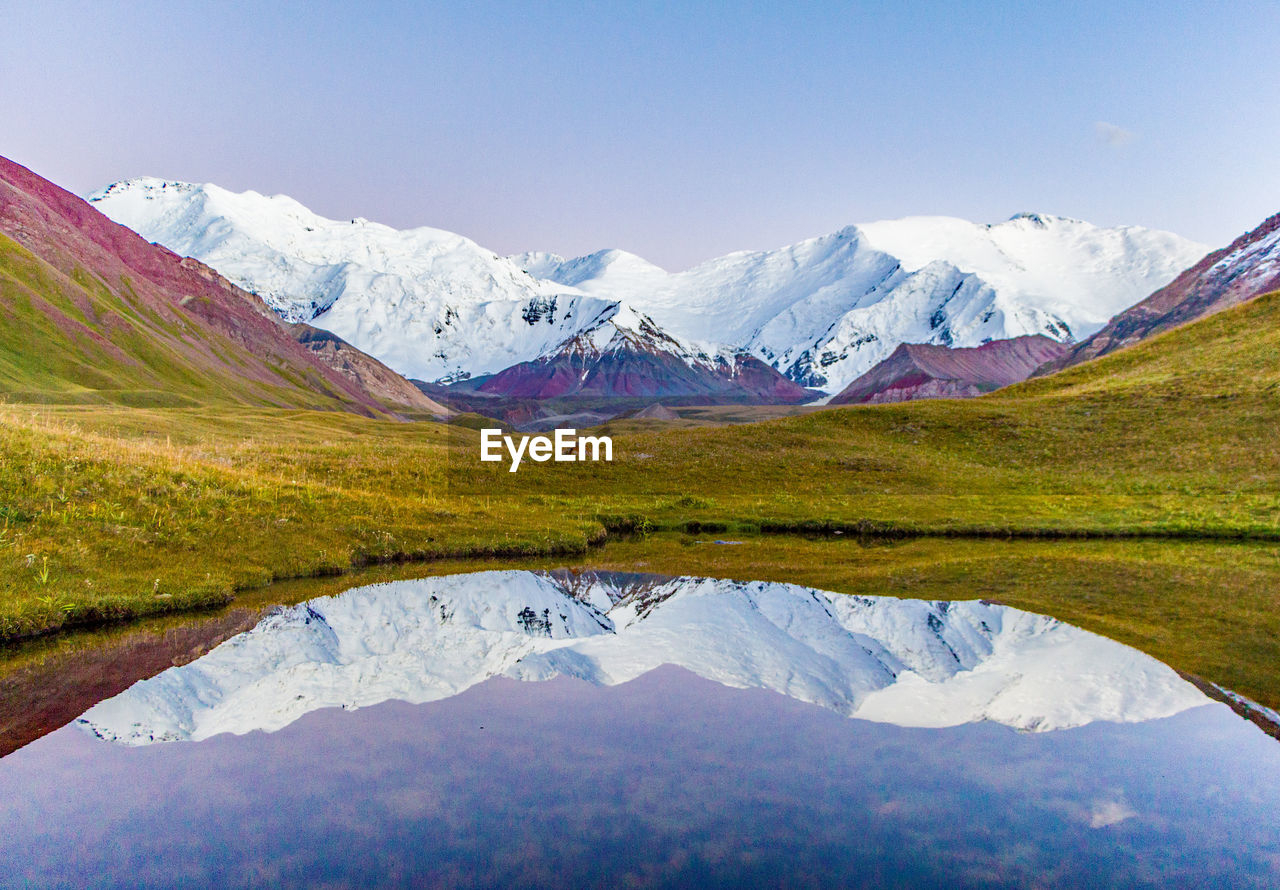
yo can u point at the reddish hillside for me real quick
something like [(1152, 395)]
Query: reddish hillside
[(90, 310), (1250, 266), (371, 374), (922, 371)]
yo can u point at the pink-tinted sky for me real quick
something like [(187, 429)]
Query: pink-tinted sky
[(678, 133)]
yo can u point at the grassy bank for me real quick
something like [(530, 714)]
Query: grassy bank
[(114, 522)]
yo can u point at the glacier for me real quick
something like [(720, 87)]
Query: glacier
[(907, 662), (439, 307)]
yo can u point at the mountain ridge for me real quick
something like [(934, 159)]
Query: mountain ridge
[(440, 308), (630, 357), (1244, 269), (827, 309), (925, 371)]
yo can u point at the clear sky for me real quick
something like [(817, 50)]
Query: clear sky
[(676, 131)]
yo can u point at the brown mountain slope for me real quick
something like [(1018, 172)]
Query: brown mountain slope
[(923, 371), (90, 311), (370, 373), (1250, 266), (647, 364)]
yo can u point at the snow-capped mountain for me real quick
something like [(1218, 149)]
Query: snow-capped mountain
[(631, 356), (1246, 268), (439, 307), (826, 310), (429, 303), (909, 662)]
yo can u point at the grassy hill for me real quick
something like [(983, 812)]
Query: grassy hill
[(67, 338), (1174, 436)]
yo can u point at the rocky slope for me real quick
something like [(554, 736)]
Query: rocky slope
[(921, 371), (440, 308), (372, 375), (630, 356), (90, 310), (1249, 266), (908, 662)]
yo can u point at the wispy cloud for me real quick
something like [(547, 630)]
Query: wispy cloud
[(1110, 813), (1113, 135)]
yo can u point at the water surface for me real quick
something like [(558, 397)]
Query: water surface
[(702, 738)]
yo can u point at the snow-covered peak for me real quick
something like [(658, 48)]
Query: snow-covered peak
[(1076, 271), (277, 220), (909, 662), (1042, 220), (729, 298), (602, 271), (538, 263), (142, 188), (429, 303), (301, 262), (635, 329)]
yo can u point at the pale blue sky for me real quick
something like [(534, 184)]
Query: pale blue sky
[(678, 133)]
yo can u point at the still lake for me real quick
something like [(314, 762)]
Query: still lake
[(524, 729)]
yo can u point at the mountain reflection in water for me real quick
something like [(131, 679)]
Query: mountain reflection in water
[(908, 662), (636, 763)]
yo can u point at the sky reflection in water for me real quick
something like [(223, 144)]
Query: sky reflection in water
[(666, 780)]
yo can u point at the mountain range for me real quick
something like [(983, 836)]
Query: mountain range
[(442, 309), (538, 338)]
